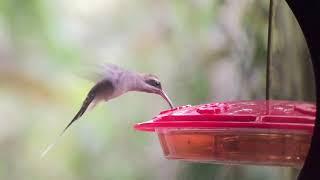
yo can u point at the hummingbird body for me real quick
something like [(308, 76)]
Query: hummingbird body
[(116, 81), (112, 82)]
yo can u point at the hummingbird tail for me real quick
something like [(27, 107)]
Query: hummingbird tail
[(105, 87), (90, 97)]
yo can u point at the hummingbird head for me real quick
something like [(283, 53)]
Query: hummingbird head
[(153, 85)]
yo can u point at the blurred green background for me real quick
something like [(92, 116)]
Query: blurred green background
[(202, 50)]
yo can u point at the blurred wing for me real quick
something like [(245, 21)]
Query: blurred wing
[(98, 72), (110, 69)]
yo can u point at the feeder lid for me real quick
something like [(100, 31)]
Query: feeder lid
[(260, 114)]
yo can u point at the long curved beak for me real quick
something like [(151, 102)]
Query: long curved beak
[(165, 97)]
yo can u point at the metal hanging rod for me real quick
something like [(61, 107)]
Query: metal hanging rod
[(269, 47)]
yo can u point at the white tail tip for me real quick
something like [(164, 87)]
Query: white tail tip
[(51, 146), (46, 150)]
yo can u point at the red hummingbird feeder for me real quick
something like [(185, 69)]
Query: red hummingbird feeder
[(241, 132)]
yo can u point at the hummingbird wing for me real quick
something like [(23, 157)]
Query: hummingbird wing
[(99, 72), (100, 91)]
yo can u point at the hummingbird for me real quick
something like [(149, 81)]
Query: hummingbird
[(114, 81)]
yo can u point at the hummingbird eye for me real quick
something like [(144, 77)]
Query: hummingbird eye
[(154, 83)]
